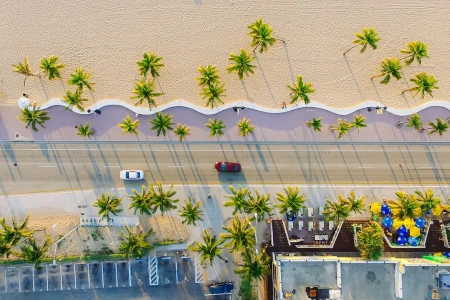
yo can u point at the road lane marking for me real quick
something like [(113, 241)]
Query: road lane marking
[(47, 166)]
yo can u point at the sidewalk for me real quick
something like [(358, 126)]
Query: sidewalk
[(280, 127)]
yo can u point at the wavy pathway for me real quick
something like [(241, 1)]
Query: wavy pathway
[(276, 125)]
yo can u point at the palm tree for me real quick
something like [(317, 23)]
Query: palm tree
[(407, 206), (261, 34), (416, 51), (438, 127), (182, 131), (108, 204), (161, 123), (35, 253), (129, 126), (191, 212), (13, 234), (85, 131), (151, 62), (33, 116), (343, 127), (424, 84), (81, 79), (300, 90), (244, 127), (141, 202), (145, 91), (429, 201), (368, 37), (213, 94), (239, 236), (51, 67), (161, 199), (210, 249), (215, 127), (259, 205), (74, 99), (241, 64), (315, 124), (356, 204), (6, 248), (24, 69), (238, 199), (337, 210), (209, 75), (291, 200), (359, 122), (134, 244), (414, 120), (389, 67), (256, 266)]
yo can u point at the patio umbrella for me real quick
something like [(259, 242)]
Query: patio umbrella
[(395, 211), (401, 240), (397, 224), (409, 223), (437, 210), (413, 241), (375, 208), (23, 102), (387, 222), (414, 232), (291, 215), (447, 254), (385, 209), (402, 231), (420, 222)]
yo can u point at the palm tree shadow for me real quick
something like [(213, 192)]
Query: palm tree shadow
[(246, 91), (354, 78), (376, 90), (44, 88), (162, 91), (265, 80), (288, 61), (198, 2)]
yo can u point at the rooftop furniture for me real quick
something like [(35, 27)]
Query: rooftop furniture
[(310, 226), (290, 225), (310, 212), (300, 225), (321, 225), (321, 209), (321, 237), (331, 225)]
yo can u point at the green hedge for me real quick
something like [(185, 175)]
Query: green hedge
[(63, 259)]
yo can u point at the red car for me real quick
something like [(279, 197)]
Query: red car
[(227, 167)]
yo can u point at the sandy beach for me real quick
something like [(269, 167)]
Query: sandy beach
[(108, 37)]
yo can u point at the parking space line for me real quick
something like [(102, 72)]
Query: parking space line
[(89, 278), (75, 274), (176, 269), (46, 271), (60, 273), (103, 278), (117, 280), (129, 272), (32, 271), (6, 283), (18, 270)]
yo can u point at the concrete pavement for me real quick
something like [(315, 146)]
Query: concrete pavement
[(283, 127), (56, 167)]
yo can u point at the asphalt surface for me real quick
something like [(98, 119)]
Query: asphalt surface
[(55, 167)]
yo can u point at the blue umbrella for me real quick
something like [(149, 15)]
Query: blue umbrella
[(447, 254), (420, 223), (413, 241), (385, 210), (291, 215), (402, 231), (401, 240), (387, 222)]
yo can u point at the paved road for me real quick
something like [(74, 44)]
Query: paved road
[(54, 167)]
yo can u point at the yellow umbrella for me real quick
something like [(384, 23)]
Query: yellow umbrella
[(417, 211), (395, 211), (437, 210), (414, 232), (409, 223), (375, 208), (397, 224)]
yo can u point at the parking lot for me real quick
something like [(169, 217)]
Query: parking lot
[(170, 269)]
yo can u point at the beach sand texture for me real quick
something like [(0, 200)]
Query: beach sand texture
[(108, 37)]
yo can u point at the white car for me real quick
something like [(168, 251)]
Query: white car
[(131, 174)]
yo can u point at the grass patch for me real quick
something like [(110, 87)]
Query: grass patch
[(66, 259)]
